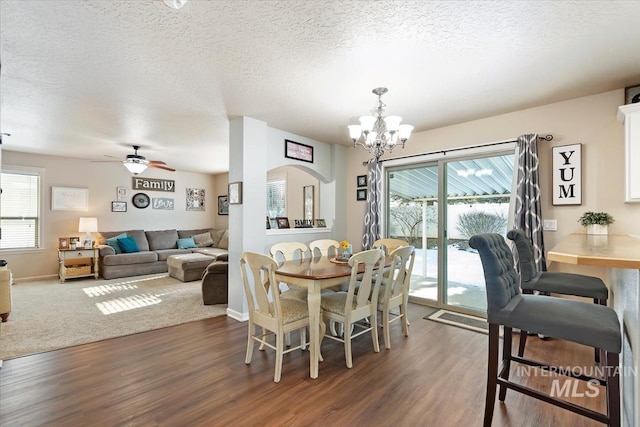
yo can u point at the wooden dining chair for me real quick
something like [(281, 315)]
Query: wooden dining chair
[(324, 247), (351, 307), (394, 291), (275, 315), (288, 251), (389, 245), (583, 323)]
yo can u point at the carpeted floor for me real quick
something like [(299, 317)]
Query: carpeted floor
[(48, 315)]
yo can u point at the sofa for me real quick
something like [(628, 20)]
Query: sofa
[(146, 252)]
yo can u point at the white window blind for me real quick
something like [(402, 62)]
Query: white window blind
[(276, 197), (20, 210)]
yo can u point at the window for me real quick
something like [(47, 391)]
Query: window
[(276, 197), (20, 209)]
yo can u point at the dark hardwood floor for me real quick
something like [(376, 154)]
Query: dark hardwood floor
[(194, 375)]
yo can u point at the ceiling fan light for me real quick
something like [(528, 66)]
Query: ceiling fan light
[(135, 167)]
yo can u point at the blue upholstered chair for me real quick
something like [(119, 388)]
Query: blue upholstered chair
[(583, 323), (553, 282)]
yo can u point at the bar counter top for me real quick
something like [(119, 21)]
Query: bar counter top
[(613, 250)]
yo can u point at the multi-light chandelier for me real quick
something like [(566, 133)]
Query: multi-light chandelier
[(378, 134)]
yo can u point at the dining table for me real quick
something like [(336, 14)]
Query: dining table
[(314, 274)]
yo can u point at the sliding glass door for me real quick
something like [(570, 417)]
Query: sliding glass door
[(437, 206)]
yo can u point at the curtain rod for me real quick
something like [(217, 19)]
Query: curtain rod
[(542, 138)]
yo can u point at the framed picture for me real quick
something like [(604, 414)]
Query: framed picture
[(69, 199), (87, 243), (268, 224), (283, 222), (235, 193), (63, 243), (195, 199), (122, 193), (632, 94), (74, 241), (362, 180), (223, 205), (297, 151), (307, 197), (567, 174), (321, 223), (118, 206), (361, 194)]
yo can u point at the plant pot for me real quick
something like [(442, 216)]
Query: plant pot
[(597, 229)]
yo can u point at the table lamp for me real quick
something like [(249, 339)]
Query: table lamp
[(88, 225)]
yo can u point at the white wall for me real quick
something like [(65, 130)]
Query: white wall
[(101, 179)]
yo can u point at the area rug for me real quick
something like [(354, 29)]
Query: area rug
[(49, 315), (460, 320)]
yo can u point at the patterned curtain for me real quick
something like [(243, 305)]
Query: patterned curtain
[(372, 224), (528, 209)]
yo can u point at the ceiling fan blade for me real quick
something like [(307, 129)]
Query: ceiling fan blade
[(157, 166), (157, 162), (106, 161)]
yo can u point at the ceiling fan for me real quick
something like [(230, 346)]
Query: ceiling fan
[(136, 163)]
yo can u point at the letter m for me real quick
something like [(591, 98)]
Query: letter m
[(560, 391), (567, 192)]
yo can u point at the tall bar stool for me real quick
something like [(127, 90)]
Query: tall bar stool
[(553, 282), (592, 325)]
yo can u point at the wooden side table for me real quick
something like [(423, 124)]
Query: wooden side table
[(68, 269)]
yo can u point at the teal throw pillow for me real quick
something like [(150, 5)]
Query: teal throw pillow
[(186, 243), (113, 242), (128, 245)]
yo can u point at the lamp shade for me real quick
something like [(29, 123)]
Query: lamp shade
[(135, 167), (88, 225)]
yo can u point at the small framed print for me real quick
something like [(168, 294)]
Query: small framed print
[(567, 174), (362, 180), (361, 194), (235, 193), (223, 205), (283, 222), (63, 243), (632, 94), (297, 151), (321, 223), (122, 193), (87, 243), (118, 206), (74, 241)]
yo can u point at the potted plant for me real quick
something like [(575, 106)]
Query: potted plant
[(596, 222)]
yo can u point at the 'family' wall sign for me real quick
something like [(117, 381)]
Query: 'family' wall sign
[(567, 175)]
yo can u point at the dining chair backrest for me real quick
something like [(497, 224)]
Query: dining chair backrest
[(287, 251), (402, 259), (258, 273), (389, 245), (526, 258), (324, 247), (364, 287)]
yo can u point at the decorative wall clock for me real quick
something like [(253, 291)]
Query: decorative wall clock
[(141, 200)]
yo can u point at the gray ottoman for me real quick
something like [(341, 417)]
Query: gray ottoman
[(215, 283), (188, 267)]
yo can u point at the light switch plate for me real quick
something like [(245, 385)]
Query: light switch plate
[(550, 225)]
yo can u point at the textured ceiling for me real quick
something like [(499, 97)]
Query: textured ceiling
[(91, 78)]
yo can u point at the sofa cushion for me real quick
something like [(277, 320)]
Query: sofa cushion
[(128, 245), (186, 243), (203, 240), (189, 233), (216, 235), (224, 241), (128, 259), (163, 254), (113, 242), (162, 239), (216, 253)]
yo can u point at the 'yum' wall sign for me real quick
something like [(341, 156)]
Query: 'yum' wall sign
[(567, 175)]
